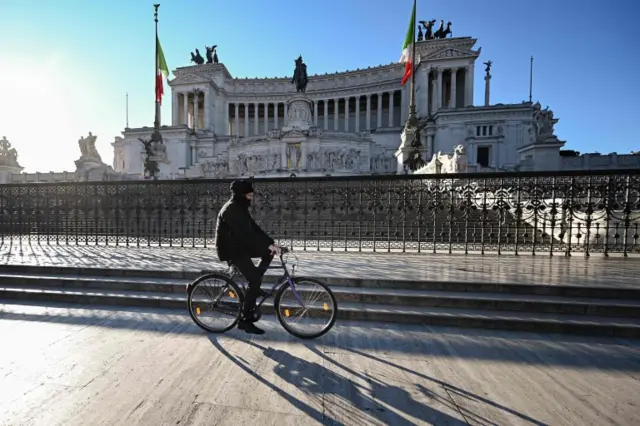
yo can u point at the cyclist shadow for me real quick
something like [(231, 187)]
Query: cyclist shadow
[(334, 389)]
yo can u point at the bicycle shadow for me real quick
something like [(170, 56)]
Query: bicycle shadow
[(342, 398), (447, 387)]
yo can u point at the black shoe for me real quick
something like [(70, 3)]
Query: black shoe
[(249, 327), (263, 293)]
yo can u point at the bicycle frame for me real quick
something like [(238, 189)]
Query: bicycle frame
[(286, 277)]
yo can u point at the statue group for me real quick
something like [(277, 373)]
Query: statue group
[(429, 34), (300, 77), (543, 123), (88, 149), (8, 155), (212, 56)]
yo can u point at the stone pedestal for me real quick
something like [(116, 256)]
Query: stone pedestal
[(406, 150), (8, 161), (299, 116), (91, 170), (6, 173)]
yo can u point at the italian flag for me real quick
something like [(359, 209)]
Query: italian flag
[(407, 47), (162, 71)]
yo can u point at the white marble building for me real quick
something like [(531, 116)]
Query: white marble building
[(224, 126)]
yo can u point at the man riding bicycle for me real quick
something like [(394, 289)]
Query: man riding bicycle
[(238, 240)]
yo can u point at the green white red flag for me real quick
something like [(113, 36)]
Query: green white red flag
[(161, 72), (407, 47)]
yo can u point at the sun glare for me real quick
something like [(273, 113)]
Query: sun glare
[(36, 117)]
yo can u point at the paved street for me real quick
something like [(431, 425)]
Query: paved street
[(507, 268), (74, 366)]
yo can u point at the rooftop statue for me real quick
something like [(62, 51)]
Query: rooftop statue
[(300, 77), (443, 32), (197, 58), (428, 26), (488, 69), (212, 56)]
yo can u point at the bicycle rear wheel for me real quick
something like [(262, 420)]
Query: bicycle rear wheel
[(214, 302), (312, 318)]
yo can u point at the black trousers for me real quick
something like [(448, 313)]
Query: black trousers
[(253, 274)]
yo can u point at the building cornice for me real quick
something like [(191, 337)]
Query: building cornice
[(484, 112), (382, 77), (165, 130)]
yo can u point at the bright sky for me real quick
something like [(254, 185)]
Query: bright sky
[(66, 65)]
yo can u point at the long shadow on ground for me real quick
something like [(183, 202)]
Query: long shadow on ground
[(579, 352)]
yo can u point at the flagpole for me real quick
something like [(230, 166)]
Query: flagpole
[(531, 81), (156, 137), (412, 97), (156, 123)]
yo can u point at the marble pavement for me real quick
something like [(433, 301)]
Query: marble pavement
[(68, 365)]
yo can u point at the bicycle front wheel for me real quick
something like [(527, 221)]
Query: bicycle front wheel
[(215, 303), (307, 310)]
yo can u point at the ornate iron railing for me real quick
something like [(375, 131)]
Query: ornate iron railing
[(505, 212)]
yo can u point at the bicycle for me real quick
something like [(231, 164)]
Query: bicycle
[(230, 299)]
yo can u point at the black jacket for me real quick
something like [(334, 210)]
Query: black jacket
[(237, 234)]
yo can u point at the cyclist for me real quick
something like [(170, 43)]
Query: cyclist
[(238, 240)]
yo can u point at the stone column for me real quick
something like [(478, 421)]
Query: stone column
[(346, 114), (357, 113), (427, 105), (336, 115), (246, 119), (434, 96), (391, 109), (175, 110), (205, 100), (368, 119), (454, 88), (379, 112), (237, 120), (185, 107), (227, 121), (468, 95), (315, 113), (266, 117), (256, 118), (326, 114), (196, 112), (403, 105), (439, 89), (275, 114), (487, 90)]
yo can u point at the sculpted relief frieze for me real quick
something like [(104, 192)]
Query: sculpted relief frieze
[(348, 160), (247, 163), (214, 168)]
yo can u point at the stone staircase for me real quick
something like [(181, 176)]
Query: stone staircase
[(589, 310)]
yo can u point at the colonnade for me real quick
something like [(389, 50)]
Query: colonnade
[(353, 113), (448, 88)]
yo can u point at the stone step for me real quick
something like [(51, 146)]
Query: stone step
[(31, 285), (467, 318), (174, 281)]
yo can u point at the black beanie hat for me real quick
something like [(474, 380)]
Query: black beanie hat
[(241, 187)]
